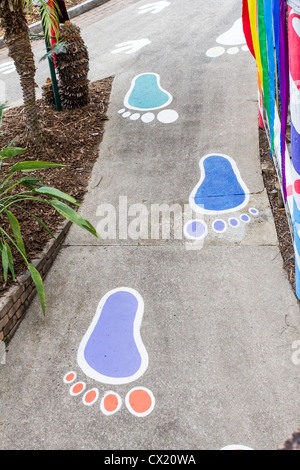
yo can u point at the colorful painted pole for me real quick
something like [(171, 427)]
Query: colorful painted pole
[(48, 48), (294, 68), (53, 78), (62, 14)]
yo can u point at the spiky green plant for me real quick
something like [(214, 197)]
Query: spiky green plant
[(16, 188)]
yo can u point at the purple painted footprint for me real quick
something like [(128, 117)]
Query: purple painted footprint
[(112, 352)]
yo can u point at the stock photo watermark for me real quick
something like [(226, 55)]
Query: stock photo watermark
[(141, 222)]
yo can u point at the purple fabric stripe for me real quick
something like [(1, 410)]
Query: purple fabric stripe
[(284, 87)]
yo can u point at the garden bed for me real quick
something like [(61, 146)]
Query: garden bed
[(280, 218), (71, 138)]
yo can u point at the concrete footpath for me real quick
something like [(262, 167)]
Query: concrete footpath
[(192, 344)]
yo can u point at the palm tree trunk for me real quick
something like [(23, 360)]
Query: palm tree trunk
[(16, 37)]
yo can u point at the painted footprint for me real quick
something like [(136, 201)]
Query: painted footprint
[(7, 67), (112, 352), (234, 37), (145, 96), (221, 190)]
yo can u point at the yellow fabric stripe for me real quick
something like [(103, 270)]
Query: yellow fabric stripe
[(252, 6)]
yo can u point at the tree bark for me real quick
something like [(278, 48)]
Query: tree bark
[(16, 37), (73, 68)]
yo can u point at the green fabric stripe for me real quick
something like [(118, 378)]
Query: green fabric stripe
[(262, 36)]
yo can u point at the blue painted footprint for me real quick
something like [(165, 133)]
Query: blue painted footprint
[(145, 96), (221, 190), (112, 352)]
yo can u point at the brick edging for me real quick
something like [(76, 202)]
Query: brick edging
[(16, 300)]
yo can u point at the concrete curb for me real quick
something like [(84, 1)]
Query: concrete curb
[(14, 303), (73, 12)]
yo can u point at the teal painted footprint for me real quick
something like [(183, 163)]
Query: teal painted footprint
[(145, 97)]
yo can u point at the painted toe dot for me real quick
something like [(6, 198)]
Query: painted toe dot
[(167, 116), (135, 116), (110, 403), (245, 218), (215, 51), (253, 211), (140, 401), (77, 388), (232, 50), (121, 111), (126, 115), (195, 229), (90, 397), (234, 222), (148, 117), (219, 226), (70, 377)]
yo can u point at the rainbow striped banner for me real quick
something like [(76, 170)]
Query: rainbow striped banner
[(293, 14), (274, 25)]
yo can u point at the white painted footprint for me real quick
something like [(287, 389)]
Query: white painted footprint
[(234, 37), (7, 67), (146, 96), (154, 8)]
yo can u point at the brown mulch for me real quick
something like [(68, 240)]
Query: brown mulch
[(279, 215), (71, 138)]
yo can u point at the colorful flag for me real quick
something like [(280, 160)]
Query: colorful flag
[(268, 14), (284, 85), (247, 27), (294, 75)]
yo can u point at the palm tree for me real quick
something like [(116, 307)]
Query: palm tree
[(16, 36), (73, 68)]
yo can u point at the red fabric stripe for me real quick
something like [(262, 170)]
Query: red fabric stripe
[(247, 27)]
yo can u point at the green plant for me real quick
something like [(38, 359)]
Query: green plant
[(16, 187)]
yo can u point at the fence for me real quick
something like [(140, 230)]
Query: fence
[(272, 31)]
